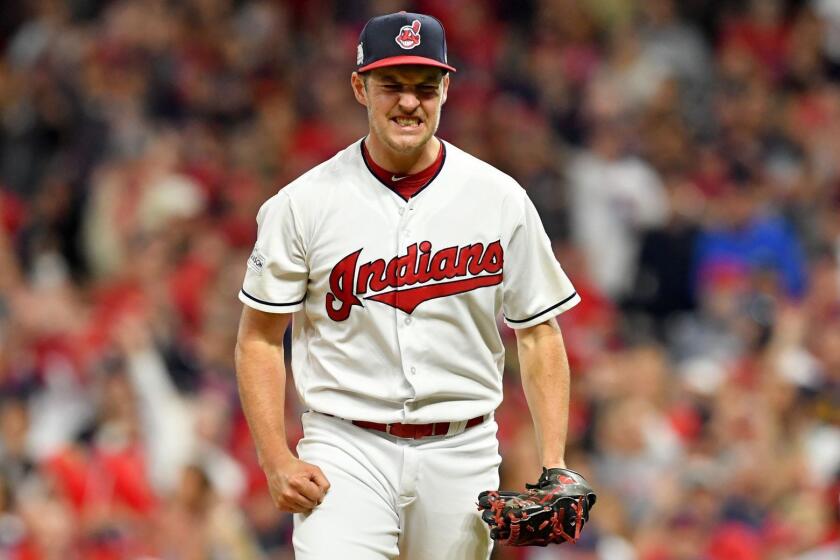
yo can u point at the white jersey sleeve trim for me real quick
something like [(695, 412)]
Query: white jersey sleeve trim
[(268, 306), (545, 314)]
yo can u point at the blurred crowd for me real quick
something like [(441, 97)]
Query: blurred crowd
[(684, 156)]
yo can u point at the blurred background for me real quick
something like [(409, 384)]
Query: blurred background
[(685, 159)]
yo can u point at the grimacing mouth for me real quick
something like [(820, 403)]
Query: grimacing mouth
[(406, 120)]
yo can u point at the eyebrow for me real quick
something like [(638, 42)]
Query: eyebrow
[(394, 80), (431, 79)]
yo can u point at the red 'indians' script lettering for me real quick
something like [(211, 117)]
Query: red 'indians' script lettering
[(417, 266)]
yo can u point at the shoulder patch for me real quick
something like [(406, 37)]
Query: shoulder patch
[(256, 261)]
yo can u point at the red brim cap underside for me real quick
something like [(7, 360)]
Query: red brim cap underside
[(402, 60)]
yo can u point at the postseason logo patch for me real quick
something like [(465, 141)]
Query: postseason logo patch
[(256, 261)]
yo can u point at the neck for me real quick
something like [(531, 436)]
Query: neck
[(405, 163)]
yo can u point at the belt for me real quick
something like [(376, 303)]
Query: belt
[(417, 431)]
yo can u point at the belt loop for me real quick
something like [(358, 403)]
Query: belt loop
[(456, 427)]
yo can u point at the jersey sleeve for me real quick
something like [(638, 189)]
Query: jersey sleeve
[(535, 288), (277, 274)]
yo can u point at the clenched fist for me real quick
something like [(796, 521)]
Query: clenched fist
[(296, 486)]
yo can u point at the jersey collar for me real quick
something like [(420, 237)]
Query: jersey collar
[(388, 186)]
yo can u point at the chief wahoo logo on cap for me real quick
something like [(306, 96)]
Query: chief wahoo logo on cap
[(409, 36)]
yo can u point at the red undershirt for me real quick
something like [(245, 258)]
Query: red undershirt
[(407, 185)]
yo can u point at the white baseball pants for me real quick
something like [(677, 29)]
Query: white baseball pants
[(395, 498)]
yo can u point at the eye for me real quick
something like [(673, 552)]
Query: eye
[(392, 87)]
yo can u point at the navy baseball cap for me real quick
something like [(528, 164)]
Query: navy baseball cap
[(402, 38)]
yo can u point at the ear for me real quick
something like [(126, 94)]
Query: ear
[(358, 85), (445, 82)]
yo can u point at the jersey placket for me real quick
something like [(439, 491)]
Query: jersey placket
[(405, 323)]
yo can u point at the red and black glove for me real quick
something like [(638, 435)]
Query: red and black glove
[(553, 510)]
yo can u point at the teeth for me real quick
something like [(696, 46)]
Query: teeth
[(407, 121)]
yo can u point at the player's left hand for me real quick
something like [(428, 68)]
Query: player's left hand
[(553, 510)]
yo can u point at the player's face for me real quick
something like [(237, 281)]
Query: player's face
[(403, 104)]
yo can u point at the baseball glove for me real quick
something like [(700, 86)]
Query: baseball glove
[(553, 510)]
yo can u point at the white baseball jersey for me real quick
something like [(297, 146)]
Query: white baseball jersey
[(394, 301)]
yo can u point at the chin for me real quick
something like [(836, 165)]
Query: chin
[(405, 147), (410, 144)]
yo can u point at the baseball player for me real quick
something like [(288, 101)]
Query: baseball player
[(392, 261)]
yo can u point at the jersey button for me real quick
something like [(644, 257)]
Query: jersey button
[(402, 211), (413, 370), (408, 320)]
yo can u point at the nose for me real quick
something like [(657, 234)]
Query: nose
[(409, 101)]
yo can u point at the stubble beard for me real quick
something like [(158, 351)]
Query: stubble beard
[(403, 147)]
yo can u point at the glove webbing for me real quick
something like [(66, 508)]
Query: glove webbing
[(558, 531)]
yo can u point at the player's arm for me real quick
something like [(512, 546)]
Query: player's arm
[(544, 369), (295, 486)]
